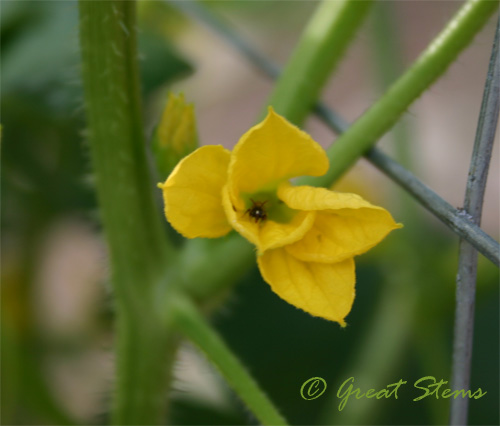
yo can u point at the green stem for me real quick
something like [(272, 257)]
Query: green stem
[(434, 61), (190, 322), (138, 247), (388, 57), (320, 48), (198, 260)]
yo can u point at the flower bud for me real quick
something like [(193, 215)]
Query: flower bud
[(175, 136)]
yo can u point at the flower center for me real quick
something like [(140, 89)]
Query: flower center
[(257, 211), (265, 205)]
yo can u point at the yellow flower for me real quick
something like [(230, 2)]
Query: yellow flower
[(306, 237)]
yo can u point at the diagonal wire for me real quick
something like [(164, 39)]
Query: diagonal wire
[(455, 219), (467, 261), (196, 10)]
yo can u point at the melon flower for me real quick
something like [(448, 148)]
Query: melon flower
[(305, 237)]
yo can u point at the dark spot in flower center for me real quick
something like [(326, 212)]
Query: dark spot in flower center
[(257, 211)]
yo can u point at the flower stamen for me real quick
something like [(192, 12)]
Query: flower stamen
[(257, 210)]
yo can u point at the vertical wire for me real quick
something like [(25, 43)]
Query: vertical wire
[(467, 265)]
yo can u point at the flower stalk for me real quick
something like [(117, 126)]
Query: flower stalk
[(322, 45), (189, 321), (138, 249)]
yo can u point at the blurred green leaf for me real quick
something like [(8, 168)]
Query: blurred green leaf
[(160, 62), (42, 45)]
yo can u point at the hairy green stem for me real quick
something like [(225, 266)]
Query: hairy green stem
[(365, 132), (190, 322), (319, 50), (137, 244)]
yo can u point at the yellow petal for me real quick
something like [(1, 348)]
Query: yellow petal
[(270, 152), (323, 290), (345, 224), (267, 234), (192, 193), (312, 198)]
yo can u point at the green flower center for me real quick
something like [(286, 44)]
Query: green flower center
[(265, 205)]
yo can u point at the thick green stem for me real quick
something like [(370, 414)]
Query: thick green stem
[(137, 245), (146, 353), (321, 46), (365, 132), (190, 322)]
